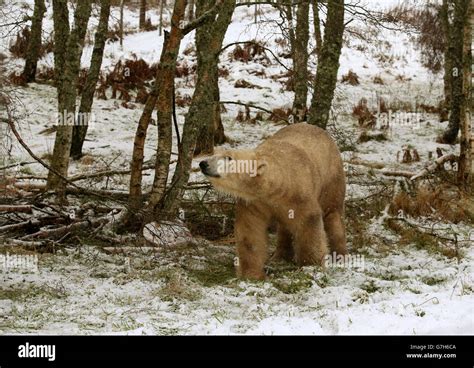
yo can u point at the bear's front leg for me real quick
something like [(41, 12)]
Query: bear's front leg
[(251, 224), (310, 241)]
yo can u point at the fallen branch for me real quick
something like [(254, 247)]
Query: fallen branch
[(24, 243), (437, 163), (17, 208), (246, 105), (405, 174), (81, 225), (16, 165)]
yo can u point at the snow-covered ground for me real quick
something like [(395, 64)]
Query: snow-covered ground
[(191, 289)]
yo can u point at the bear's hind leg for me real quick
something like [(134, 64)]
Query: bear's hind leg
[(310, 241), (251, 226), (336, 232), (284, 250)]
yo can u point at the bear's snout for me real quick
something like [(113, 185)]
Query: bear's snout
[(204, 165), (207, 170)]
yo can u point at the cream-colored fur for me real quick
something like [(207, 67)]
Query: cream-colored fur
[(299, 183)]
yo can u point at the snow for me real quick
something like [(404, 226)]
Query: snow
[(401, 289)]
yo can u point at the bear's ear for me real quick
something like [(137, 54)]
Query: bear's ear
[(261, 167)]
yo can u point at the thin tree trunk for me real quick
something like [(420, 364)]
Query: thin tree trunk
[(135, 197), (456, 51), (300, 61), (448, 62), (203, 103), (465, 157), (34, 46), (209, 40), (87, 98), (142, 21), (191, 10), (122, 5), (162, 95), (61, 35), (328, 65), (160, 27), (167, 69), (317, 27), (67, 102)]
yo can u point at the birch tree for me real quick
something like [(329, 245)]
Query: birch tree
[(34, 45)]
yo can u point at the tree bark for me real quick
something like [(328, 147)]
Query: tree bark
[(61, 35), (87, 98), (317, 27), (328, 65), (465, 157), (300, 61), (122, 5), (456, 45), (162, 96), (160, 27), (142, 21), (191, 10), (203, 103), (67, 93), (34, 46), (167, 69), (209, 40), (448, 62)]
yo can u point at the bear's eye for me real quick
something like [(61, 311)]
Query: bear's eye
[(228, 158)]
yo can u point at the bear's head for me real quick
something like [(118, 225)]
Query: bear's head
[(236, 172)]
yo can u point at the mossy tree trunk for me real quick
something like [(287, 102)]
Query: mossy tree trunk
[(300, 61), (317, 26), (204, 102), (34, 46), (456, 46), (142, 20), (68, 71), (465, 157), (328, 65), (448, 63), (161, 97), (209, 40), (87, 98)]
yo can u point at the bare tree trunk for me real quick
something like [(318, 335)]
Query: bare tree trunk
[(456, 51), (209, 40), (448, 62), (317, 27), (160, 27), (164, 106), (162, 95), (61, 35), (142, 21), (465, 157), (191, 10), (122, 5), (328, 65), (204, 101), (300, 61), (34, 46), (87, 98), (67, 94)]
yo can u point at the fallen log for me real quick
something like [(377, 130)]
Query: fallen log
[(437, 163), (16, 208), (60, 231)]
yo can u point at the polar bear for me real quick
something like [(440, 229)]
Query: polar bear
[(295, 178)]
